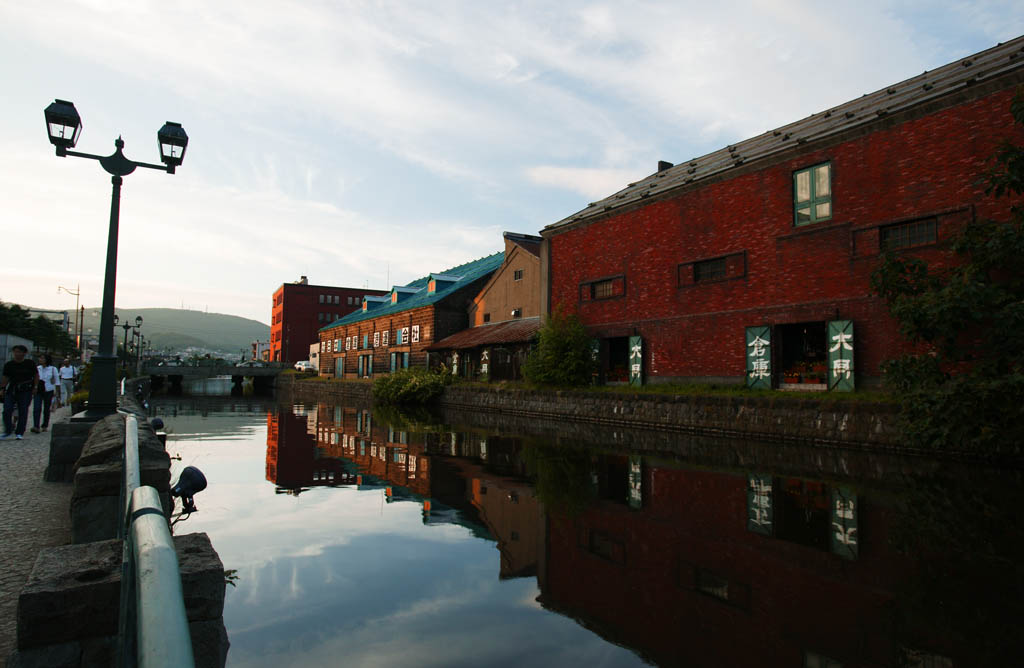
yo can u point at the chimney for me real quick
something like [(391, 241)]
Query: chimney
[(303, 280), (663, 165)]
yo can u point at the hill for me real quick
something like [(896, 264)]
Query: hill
[(178, 329)]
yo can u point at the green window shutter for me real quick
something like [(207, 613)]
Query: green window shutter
[(844, 537), (393, 363), (759, 357), (366, 341), (636, 360), (360, 364), (405, 360), (759, 504), (636, 480), (339, 366), (359, 418), (840, 355)]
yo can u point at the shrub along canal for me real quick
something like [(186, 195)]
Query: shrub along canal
[(363, 536)]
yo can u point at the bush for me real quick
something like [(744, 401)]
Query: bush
[(410, 386), (562, 356)]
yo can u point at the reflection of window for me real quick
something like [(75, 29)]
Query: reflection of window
[(711, 583), (908, 235), (802, 512), (812, 194), (815, 660)]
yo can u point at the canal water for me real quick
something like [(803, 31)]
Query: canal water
[(362, 536)]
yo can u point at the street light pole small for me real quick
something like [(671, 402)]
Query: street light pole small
[(76, 292), (64, 126)]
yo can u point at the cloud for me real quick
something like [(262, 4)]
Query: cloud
[(594, 183)]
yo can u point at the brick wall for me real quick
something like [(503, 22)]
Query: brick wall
[(901, 170)]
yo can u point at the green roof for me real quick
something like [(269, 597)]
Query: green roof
[(467, 273)]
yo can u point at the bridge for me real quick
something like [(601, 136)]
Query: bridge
[(261, 376), (199, 371)]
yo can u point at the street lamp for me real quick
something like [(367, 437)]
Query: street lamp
[(64, 126), (126, 326), (76, 292)]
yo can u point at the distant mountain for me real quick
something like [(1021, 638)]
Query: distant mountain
[(178, 329)]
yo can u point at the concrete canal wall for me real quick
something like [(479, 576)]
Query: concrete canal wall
[(783, 418)]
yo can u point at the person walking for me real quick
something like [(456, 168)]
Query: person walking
[(48, 383), (67, 373), (18, 385)]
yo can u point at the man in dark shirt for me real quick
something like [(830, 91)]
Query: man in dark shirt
[(18, 385)]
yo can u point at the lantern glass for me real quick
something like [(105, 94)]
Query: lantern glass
[(63, 124), (173, 142)]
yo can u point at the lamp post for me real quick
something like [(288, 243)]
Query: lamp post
[(76, 292), (126, 326), (64, 126)]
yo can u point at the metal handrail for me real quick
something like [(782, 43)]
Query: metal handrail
[(153, 626)]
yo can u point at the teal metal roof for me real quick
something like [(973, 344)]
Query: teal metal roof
[(466, 273)]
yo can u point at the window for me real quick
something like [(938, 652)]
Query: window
[(713, 269), (605, 288), (812, 194), (517, 313), (358, 300), (350, 301), (487, 317), (602, 290), (517, 275), (908, 235), (321, 299), (366, 341), (337, 299), (709, 270)]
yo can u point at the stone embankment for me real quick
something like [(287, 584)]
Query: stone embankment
[(68, 610), (784, 418)]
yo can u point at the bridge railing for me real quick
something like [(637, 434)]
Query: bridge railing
[(153, 625)]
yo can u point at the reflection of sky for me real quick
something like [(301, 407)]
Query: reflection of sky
[(336, 576)]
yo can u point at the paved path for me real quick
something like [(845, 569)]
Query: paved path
[(33, 515)]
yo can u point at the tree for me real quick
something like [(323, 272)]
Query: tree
[(44, 333), (562, 355), (963, 388)]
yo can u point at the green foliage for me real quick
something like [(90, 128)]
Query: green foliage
[(963, 389), (562, 476), (562, 354), (45, 334), (410, 386)]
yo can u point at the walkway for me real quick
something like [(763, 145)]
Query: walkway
[(33, 515)]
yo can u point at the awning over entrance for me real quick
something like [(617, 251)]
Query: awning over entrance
[(520, 330)]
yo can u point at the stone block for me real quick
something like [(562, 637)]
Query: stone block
[(105, 478), (209, 643), (62, 655), (202, 576), (94, 518), (72, 593), (66, 442)]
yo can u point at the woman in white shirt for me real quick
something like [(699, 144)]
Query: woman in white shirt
[(48, 382)]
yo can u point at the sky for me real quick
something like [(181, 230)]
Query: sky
[(367, 144)]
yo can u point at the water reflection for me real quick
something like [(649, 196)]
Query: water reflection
[(683, 550)]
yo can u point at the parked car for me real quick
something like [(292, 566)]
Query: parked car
[(304, 365), (255, 363)]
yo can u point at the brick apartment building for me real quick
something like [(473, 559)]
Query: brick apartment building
[(393, 331), (752, 264), (299, 310)]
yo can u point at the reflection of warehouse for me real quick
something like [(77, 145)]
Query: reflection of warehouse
[(708, 568), (292, 461)]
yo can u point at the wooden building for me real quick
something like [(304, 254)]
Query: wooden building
[(504, 317)]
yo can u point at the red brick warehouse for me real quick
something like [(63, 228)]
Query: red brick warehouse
[(752, 264)]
